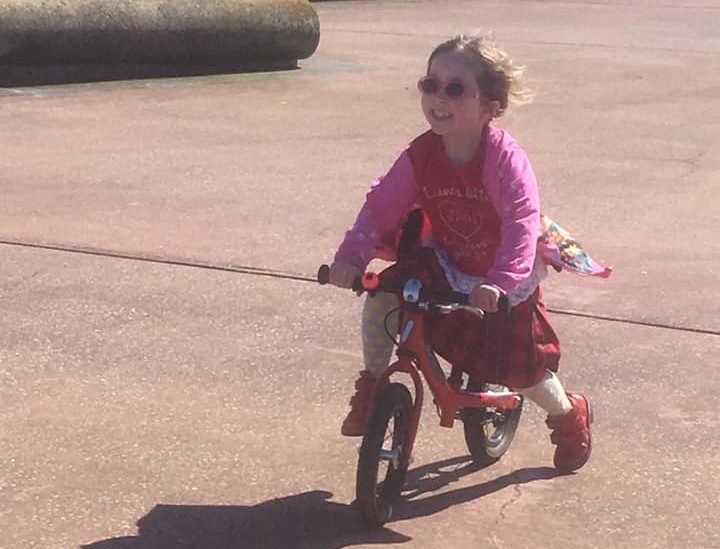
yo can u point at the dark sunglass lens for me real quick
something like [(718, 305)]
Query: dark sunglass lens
[(454, 89), (428, 85)]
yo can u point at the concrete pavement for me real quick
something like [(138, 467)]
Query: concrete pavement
[(146, 405)]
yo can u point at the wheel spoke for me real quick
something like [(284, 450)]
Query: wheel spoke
[(389, 435)]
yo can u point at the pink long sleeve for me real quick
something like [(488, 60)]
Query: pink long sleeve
[(386, 203), (511, 185)]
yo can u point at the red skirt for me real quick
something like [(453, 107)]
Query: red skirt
[(511, 349)]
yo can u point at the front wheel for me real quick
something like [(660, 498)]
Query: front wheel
[(489, 432), (383, 455)]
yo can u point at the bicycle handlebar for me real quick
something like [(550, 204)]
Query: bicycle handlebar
[(370, 282), (323, 277)]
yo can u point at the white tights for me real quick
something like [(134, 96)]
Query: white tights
[(377, 350)]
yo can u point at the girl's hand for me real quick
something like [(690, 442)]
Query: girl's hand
[(485, 297), (343, 274)]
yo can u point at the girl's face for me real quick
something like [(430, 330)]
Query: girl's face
[(448, 114)]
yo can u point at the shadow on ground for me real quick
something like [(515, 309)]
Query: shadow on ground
[(302, 520), (308, 519), (87, 73), (432, 477)]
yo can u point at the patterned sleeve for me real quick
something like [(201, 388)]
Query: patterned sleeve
[(375, 229)]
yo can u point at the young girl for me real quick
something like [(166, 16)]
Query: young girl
[(478, 192)]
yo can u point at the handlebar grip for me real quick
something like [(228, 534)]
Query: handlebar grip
[(323, 276)]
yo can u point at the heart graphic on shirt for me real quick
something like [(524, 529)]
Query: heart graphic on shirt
[(462, 219)]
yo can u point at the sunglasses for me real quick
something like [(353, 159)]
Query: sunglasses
[(429, 85)]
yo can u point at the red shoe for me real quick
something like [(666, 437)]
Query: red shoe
[(571, 434), (354, 424)]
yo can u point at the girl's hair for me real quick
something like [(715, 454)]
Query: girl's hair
[(497, 77)]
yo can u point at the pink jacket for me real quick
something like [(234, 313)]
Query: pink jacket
[(511, 185)]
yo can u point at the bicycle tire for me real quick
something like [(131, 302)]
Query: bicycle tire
[(486, 448), (375, 499)]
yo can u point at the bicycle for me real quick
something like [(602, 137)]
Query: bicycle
[(490, 415)]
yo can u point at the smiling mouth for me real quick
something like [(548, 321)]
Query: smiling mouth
[(440, 116)]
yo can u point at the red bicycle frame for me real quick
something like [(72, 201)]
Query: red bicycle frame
[(414, 355)]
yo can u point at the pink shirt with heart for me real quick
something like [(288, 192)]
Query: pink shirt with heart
[(503, 172)]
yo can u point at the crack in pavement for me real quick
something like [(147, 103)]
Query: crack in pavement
[(518, 494), (502, 512)]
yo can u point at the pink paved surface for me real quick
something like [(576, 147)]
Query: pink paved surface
[(150, 406)]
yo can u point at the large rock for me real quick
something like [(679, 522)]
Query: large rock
[(156, 32)]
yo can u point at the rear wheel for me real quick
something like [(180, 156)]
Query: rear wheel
[(383, 462), (489, 431)]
